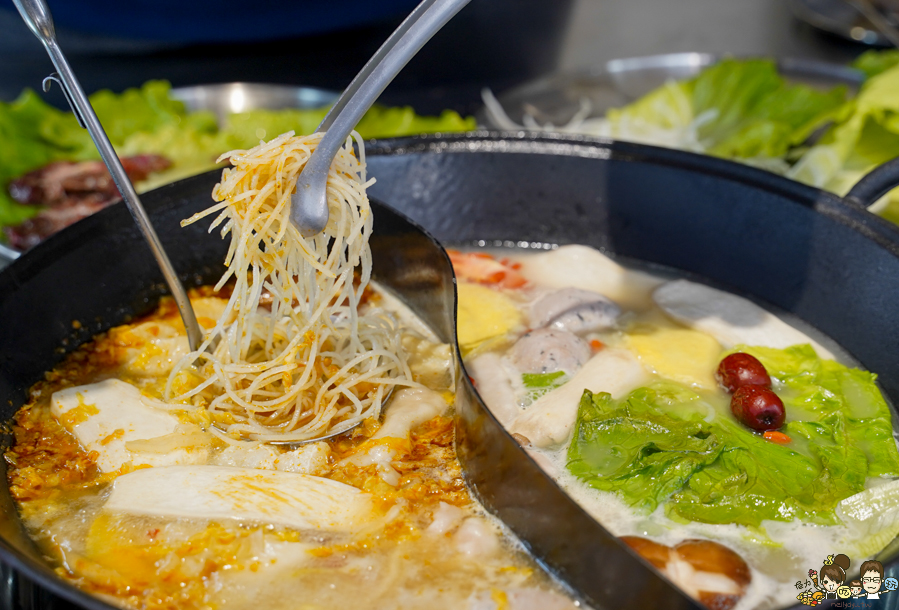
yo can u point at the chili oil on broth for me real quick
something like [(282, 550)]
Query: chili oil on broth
[(419, 542), (641, 329)]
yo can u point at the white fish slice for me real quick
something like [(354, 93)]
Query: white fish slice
[(589, 269), (409, 408), (246, 494), (494, 386), (550, 420), (104, 416), (730, 319)]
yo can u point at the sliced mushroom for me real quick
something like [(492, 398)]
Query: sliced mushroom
[(709, 572), (547, 350), (575, 310)]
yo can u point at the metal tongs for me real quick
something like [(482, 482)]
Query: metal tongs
[(37, 17), (309, 204)]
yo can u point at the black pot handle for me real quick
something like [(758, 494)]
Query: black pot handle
[(874, 185)]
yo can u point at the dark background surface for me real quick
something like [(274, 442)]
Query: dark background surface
[(495, 43), (492, 43)]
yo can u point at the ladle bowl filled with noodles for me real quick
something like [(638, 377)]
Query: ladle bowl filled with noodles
[(302, 342), (271, 370)]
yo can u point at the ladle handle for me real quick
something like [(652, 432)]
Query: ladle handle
[(405, 42), (310, 206), (38, 18), (874, 185), (40, 22)]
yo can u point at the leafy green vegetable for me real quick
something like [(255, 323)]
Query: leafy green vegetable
[(27, 127), (865, 135), (739, 109), (874, 514), (666, 444), (148, 120), (874, 62), (34, 133)]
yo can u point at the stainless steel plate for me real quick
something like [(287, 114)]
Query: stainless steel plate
[(557, 97), (225, 98)]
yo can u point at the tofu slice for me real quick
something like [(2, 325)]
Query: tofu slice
[(550, 420), (222, 492), (732, 320), (104, 416), (156, 346)]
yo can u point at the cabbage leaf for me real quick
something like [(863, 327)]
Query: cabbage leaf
[(660, 445)]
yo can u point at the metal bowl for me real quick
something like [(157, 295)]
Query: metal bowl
[(557, 97), (226, 98)]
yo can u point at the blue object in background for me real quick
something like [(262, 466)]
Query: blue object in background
[(216, 21)]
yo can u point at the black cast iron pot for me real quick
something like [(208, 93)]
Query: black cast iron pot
[(823, 259)]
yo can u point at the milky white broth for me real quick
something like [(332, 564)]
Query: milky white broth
[(779, 553)]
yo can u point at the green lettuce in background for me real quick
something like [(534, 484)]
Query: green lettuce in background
[(149, 120), (865, 136), (874, 62), (745, 111), (737, 109), (660, 446)]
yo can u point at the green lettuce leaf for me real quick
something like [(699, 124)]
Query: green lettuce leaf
[(146, 110), (740, 109), (663, 116), (34, 133), (149, 120), (874, 62), (668, 445), (865, 135)]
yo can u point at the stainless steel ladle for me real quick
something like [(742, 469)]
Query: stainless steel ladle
[(37, 17), (309, 204)]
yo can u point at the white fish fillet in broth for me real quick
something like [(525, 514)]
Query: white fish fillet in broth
[(589, 269), (105, 417), (732, 320), (550, 420), (245, 494)]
